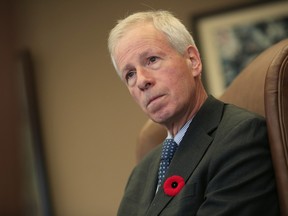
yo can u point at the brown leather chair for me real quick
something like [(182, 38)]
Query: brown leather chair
[(262, 87)]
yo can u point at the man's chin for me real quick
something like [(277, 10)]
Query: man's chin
[(160, 119)]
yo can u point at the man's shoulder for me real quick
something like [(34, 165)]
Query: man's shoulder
[(240, 121), (232, 111), (216, 114), (237, 114)]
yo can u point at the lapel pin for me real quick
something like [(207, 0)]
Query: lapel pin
[(173, 185)]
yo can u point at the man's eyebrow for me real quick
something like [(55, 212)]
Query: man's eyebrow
[(149, 52), (126, 67), (141, 56), (129, 65), (144, 54)]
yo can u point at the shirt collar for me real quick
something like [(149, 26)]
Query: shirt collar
[(179, 136)]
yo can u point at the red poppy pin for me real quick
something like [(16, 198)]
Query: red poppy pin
[(173, 185)]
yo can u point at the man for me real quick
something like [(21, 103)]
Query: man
[(222, 164)]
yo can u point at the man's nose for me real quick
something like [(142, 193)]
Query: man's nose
[(145, 79)]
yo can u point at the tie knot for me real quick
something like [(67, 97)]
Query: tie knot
[(168, 149)]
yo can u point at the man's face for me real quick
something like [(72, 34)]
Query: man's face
[(161, 80)]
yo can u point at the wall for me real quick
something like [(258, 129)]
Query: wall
[(10, 172), (90, 123)]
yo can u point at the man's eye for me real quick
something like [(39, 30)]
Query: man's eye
[(152, 59), (129, 75)]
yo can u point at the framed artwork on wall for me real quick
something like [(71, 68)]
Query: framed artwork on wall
[(229, 39)]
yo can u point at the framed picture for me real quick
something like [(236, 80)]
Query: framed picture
[(229, 39), (36, 194)]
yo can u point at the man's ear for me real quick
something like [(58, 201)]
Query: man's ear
[(194, 58)]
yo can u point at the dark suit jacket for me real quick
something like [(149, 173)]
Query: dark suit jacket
[(225, 160)]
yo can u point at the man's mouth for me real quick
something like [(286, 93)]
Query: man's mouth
[(153, 99)]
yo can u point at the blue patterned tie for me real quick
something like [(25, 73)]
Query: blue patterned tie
[(168, 149)]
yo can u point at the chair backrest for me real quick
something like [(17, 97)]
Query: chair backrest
[(150, 136), (276, 111), (262, 87)]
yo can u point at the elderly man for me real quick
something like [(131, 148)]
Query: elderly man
[(215, 160)]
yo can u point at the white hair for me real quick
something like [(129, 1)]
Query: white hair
[(164, 21)]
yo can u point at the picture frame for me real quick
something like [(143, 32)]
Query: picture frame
[(231, 38), (35, 184)]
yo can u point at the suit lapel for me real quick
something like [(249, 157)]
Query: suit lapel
[(152, 176), (192, 148)]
